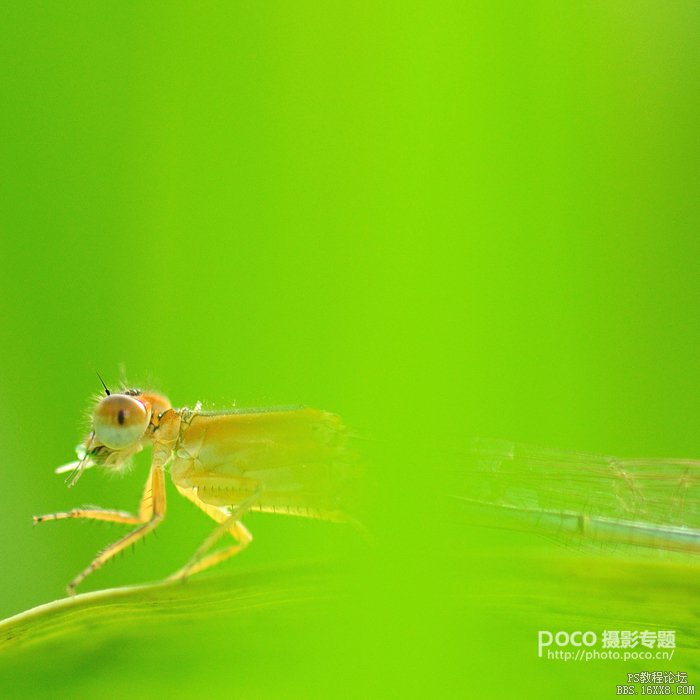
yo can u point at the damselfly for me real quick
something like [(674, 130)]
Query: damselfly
[(293, 461)]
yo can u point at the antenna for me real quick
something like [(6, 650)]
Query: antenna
[(107, 391)]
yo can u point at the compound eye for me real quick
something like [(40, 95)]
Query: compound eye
[(119, 421)]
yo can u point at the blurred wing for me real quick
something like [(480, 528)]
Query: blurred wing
[(300, 456), (652, 502)]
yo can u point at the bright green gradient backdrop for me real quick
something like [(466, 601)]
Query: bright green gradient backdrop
[(439, 220)]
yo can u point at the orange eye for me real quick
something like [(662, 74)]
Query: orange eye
[(119, 421)]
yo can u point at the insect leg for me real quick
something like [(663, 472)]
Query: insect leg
[(92, 513), (105, 514), (231, 523), (151, 511), (208, 561), (216, 513), (237, 530)]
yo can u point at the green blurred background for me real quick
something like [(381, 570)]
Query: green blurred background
[(438, 220)]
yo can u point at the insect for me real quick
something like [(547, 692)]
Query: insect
[(652, 503), (292, 461)]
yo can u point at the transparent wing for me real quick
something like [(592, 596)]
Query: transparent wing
[(651, 502), (299, 456)]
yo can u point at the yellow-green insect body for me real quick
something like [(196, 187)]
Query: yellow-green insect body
[(293, 461)]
